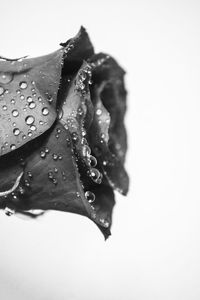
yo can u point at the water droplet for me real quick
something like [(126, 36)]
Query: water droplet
[(15, 113), (74, 136), (22, 97), (23, 137), (9, 211), (45, 111), (46, 150), (55, 156), (92, 161), (42, 154), (33, 127), (104, 223), (18, 91), (16, 131), (98, 112), (55, 170), (12, 101), (32, 105), (90, 196), (105, 163), (55, 181), (29, 174), (30, 134), (95, 175), (6, 77), (86, 151), (12, 147), (41, 122), (1, 90), (29, 99), (21, 190), (80, 111), (23, 85), (5, 107), (50, 175), (60, 114), (29, 120), (60, 157)]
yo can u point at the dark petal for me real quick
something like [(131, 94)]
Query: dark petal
[(76, 50), (51, 176), (28, 93), (107, 134)]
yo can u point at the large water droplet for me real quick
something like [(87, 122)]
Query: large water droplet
[(6, 77), (29, 120), (15, 113), (23, 85), (90, 196), (45, 111), (16, 131)]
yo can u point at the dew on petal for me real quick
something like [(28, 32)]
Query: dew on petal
[(32, 105), (12, 147), (23, 85), (45, 111), (15, 113), (90, 196), (29, 120), (16, 131)]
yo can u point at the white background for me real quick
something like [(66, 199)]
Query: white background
[(154, 250)]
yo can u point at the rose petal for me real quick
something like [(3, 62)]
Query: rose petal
[(28, 93)]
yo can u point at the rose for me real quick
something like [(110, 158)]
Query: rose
[(62, 136)]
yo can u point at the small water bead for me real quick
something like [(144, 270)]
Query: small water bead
[(105, 163), (98, 112), (15, 113), (74, 136), (45, 111), (30, 134), (104, 223), (60, 157), (6, 77), (83, 132), (1, 90), (16, 131), (33, 127), (4, 107), (29, 174), (55, 170), (46, 150), (21, 190), (22, 97), (60, 114), (9, 211), (29, 120), (41, 122), (23, 137), (32, 105), (42, 154), (90, 196), (39, 99), (23, 85), (12, 101), (29, 99), (12, 147), (55, 156), (50, 175)]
